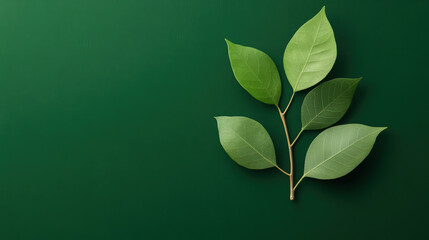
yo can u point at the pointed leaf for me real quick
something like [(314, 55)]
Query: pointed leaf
[(327, 103), (247, 142), (311, 53), (256, 72), (338, 150)]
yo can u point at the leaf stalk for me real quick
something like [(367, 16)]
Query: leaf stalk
[(281, 170), (299, 134), (303, 176), (288, 105)]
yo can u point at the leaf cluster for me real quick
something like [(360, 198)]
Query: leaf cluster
[(308, 58)]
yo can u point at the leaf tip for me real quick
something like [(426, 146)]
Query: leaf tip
[(381, 129), (321, 13), (228, 42), (219, 118), (229, 45), (358, 80)]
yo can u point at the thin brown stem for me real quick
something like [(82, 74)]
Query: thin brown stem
[(281, 170), (299, 134), (282, 116)]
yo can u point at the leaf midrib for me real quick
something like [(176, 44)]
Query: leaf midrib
[(328, 106), (260, 80), (254, 149), (324, 161), (309, 54)]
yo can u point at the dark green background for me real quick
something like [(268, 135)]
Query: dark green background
[(107, 129)]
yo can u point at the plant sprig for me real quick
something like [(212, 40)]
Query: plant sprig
[(308, 58)]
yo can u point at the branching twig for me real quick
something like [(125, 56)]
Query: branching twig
[(282, 116)]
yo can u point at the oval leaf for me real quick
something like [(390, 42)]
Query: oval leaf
[(311, 53), (247, 142), (256, 72), (338, 150), (327, 103)]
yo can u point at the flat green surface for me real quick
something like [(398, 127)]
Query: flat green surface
[(107, 128)]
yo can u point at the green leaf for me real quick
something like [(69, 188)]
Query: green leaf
[(256, 72), (247, 142), (311, 53), (327, 103), (338, 150)]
